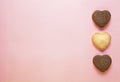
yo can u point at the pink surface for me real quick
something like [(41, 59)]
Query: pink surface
[(50, 41)]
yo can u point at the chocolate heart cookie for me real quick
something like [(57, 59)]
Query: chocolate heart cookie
[(102, 62), (101, 18)]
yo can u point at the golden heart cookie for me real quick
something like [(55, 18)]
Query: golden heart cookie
[(101, 40)]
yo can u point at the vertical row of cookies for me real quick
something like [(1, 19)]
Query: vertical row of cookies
[(101, 40)]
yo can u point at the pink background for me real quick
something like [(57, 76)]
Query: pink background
[(50, 41)]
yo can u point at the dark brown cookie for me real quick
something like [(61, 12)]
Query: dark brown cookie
[(101, 18), (102, 62)]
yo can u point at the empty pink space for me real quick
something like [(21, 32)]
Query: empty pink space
[(50, 41)]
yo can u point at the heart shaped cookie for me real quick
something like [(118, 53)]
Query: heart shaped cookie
[(101, 18), (101, 40), (102, 62)]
